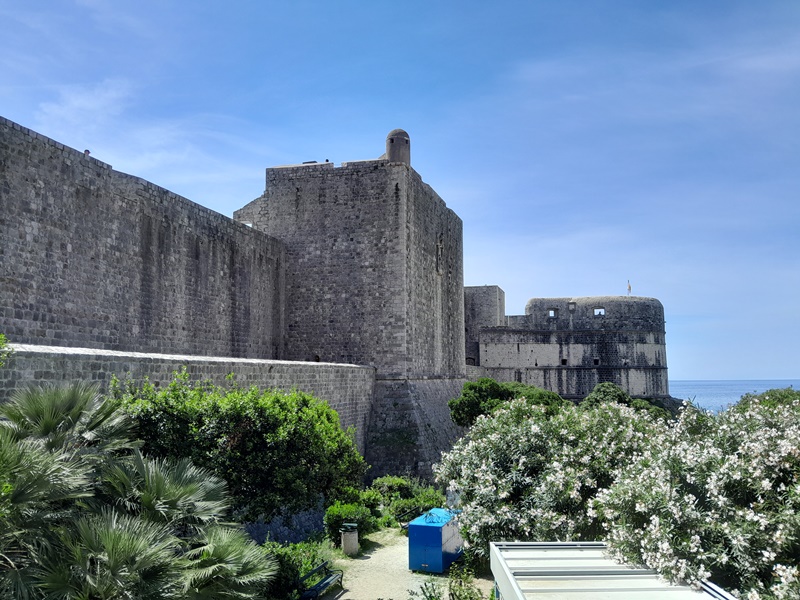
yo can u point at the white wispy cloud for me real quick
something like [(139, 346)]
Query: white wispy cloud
[(89, 107)]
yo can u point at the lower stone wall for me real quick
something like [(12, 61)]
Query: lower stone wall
[(410, 425), (575, 383), (474, 373), (348, 389)]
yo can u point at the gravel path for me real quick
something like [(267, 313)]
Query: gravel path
[(381, 571)]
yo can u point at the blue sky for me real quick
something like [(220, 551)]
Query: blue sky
[(583, 143)]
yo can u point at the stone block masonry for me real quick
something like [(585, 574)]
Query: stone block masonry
[(569, 345), (348, 389), (376, 272), (96, 258)]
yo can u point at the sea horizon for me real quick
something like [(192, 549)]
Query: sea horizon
[(718, 394)]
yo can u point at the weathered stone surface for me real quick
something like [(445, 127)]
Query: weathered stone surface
[(95, 258), (569, 345), (376, 273)]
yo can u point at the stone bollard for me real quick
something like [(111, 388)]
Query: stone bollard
[(349, 533)]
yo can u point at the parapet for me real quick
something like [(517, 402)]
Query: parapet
[(595, 312)]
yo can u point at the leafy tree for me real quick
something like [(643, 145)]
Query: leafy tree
[(606, 392), (277, 451), (482, 397), (84, 515)]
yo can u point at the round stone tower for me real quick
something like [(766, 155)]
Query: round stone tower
[(398, 147)]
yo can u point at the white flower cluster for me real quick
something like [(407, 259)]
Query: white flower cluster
[(524, 475), (706, 496), (716, 496)]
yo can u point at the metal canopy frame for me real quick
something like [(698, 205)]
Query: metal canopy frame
[(580, 571)]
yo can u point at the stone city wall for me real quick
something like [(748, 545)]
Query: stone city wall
[(573, 362), (435, 289), (92, 257), (575, 383), (609, 313), (347, 388), (410, 425)]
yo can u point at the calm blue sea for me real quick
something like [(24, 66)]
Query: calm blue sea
[(716, 395)]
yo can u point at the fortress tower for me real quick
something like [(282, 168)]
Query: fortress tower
[(375, 278), (569, 345)]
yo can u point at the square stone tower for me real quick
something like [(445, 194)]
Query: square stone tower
[(374, 277)]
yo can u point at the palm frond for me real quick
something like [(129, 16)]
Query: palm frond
[(226, 563)]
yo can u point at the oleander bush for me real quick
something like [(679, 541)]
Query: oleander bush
[(609, 392), (279, 452), (700, 496), (526, 474), (716, 497)]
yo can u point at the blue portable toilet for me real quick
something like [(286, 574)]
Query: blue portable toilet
[(434, 541)]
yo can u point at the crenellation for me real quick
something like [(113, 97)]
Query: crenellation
[(569, 345)]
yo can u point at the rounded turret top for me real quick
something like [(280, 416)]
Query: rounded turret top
[(398, 146), (596, 312)]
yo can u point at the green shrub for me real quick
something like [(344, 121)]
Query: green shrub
[(606, 392), (424, 500), (4, 351), (373, 500), (276, 450), (482, 397), (83, 514), (294, 561), (339, 513), (392, 486)]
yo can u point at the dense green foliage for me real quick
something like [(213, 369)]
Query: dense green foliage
[(404, 498), (84, 515), (482, 397), (606, 392), (699, 496), (277, 451), (338, 514), (4, 351), (294, 561)]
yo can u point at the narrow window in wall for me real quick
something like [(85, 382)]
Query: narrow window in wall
[(599, 312), (563, 362), (518, 376), (596, 361), (552, 313)]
